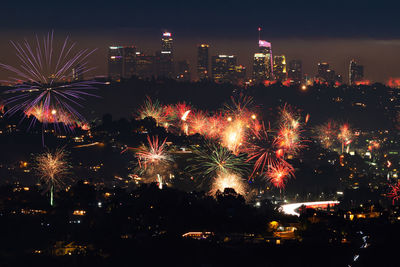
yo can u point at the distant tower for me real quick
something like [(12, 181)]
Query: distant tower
[(295, 71), (115, 62), (223, 68), (165, 58), (280, 72), (129, 60), (263, 61), (202, 61), (356, 72)]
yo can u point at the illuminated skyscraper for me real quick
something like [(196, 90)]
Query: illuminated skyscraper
[(262, 64), (326, 74), (202, 61), (223, 68), (280, 72), (166, 43), (295, 71), (356, 72), (164, 58), (121, 62), (115, 62), (144, 67)]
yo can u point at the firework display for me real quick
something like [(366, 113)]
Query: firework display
[(237, 138), (52, 167), (46, 84)]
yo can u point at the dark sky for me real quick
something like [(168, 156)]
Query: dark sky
[(313, 31)]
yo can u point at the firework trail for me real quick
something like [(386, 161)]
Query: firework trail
[(47, 80), (228, 180), (52, 169), (345, 136)]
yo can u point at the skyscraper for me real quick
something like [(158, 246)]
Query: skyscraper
[(115, 62), (356, 72), (262, 64), (165, 58), (223, 68), (144, 67), (326, 74), (129, 61), (202, 61), (280, 68), (295, 71), (121, 62)]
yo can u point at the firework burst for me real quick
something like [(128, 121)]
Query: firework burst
[(345, 136), (52, 169), (394, 193), (153, 109), (153, 159), (262, 150), (211, 159), (326, 134), (48, 80), (233, 135), (228, 180), (279, 174), (198, 123)]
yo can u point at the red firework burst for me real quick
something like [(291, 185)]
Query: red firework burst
[(153, 153), (394, 193), (279, 174), (263, 150)]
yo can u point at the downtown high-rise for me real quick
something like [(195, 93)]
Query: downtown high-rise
[(121, 62), (203, 61), (295, 71), (164, 61), (356, 72), (262, 62), (280, 72)]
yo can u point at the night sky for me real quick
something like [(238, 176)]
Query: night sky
[(333, 31)]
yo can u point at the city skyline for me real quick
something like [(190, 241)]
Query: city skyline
[(379, 67)]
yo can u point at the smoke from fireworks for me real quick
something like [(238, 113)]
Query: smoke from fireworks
[(48, 80)]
